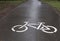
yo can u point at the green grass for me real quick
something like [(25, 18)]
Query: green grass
[(55, 4), (11, 2), (5, 4)]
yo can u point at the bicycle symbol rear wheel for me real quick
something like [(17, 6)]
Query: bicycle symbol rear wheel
[(48, 28)]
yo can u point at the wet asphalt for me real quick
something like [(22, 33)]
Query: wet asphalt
[(32, 12)]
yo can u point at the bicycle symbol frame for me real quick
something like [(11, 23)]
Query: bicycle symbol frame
[(41, 26)]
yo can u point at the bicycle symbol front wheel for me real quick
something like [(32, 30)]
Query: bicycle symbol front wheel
[(19, 27)]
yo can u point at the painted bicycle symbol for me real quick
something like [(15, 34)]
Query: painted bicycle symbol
[(40, 26)]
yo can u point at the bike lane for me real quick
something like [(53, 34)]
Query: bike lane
[(32, 12)]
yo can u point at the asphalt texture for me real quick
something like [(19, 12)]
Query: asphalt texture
[(32, 12)]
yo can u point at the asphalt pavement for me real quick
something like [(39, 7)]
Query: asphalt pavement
[(31, 21)]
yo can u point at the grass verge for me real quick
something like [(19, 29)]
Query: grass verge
[(55, 4)]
